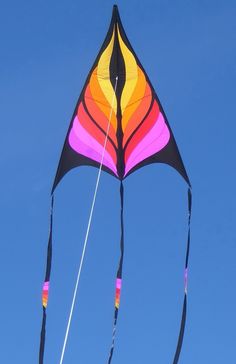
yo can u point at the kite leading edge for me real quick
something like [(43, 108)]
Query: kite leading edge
[(118, 126)]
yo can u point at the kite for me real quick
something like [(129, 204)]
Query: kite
[(118, 126)]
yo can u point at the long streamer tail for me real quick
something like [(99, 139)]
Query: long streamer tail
[(184, 312), (46, 287), (119, 273)]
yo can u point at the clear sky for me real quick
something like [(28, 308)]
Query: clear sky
[(188, 50)]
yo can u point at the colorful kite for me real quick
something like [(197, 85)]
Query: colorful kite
[(118, 126)]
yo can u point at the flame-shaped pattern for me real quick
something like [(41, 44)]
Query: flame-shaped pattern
[(97, 108), (143, 128), (118, 100)]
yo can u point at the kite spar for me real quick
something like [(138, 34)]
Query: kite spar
[(118, 126)]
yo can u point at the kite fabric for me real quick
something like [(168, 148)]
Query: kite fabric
[(119, 126)]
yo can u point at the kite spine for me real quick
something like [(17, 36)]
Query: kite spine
[(46, 286), (184, 311), (119, 272)]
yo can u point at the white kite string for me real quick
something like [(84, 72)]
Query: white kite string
[(88, 229)]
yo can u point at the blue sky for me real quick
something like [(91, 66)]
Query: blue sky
[(188, 50)]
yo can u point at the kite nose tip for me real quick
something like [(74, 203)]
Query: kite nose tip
[(115, 12), (115, 8)]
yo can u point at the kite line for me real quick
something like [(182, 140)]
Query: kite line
[(88, 228)]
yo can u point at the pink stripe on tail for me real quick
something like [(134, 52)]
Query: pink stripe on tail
[(186, 280), (118, 289), (45, 294)]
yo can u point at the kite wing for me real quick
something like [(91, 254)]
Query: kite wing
[(118, 93)]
